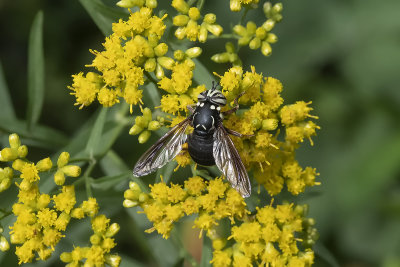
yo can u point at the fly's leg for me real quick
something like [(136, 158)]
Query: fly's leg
[(234, 133), (236, 107)]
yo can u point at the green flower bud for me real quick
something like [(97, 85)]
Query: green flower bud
[(161, 49), (194, 13), (251, 27), (153, 39), (131, 194), (112, 230), (266, 49), (181, 6), (179, 55), (95, 239), (129, 203), (166, 62), (8, 154), (277, 8), (5, 173), (210, 18), (63, 159), (154, 126), (134, 186), (150, 65), (147, 114), (44, 165), (135, 130), (230, 47), (4, 245), (255, 43), (72, 170), (143, 197), (256, 123), (159, 72), (5, 184), (269, 124), (67, 256), (18, 164), (235, 5), (203, 34), (14, 141), (261, 33), (271, 38), (22, 151), (113, 260), (215, 29), (233, 57), (141, 121), (244, 41), (268, 25), (239, 30), (151, 3), (59, 177), (267, 8), (144, 136), (193, 52), (180, 20), (220, 58)]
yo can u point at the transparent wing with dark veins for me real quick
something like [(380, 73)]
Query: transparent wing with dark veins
[(229, 162), (163, 151)]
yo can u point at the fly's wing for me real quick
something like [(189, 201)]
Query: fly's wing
[(163, 151), (229, 162)]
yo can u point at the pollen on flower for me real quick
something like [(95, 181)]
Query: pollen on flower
[(107, 97)]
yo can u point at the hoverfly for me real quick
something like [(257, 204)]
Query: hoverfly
[(209, 143)]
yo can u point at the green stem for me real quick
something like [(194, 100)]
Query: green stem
[(5, 214), (200, 4), (244, 15), (224, 36), (87, 178), (201, 173), (175, 238)]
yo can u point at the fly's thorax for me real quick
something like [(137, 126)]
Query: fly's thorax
[(206, 116)]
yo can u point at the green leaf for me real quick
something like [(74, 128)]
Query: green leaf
[(35, 71), (206, 254), (7, 109), (325, 254), (103, 15), (111, 163), (96, 133), (107, 182)]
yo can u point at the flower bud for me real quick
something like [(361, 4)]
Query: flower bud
[(6, 173), (134, 186), (277, 8), (256, 123), (113, 260), (43, 201), (153, 39), (193, 52), (203, 34), (266, 49), (181, 6), (147, 114), (129, 203), (5, 184), (112, 230), (67, 256), (143, 197), (159, 72), (261, 33), (179, 55), (244, 41), (63, 159), (14, 140), (239, 30), (220, 58), (235, 5), (154, 126), (144, 136), (18, 164), (210, 18), (251, 27), (166, 62), (230, 47), (271, 38), (135, 130), (150, 65), (25, 185), (141, 121), (72, 170), (131, 194), (7, 154), (268, 25), (22, 151), (59, 177), (44, 165), (267, 8), (219, 243), (215, 29), (180, 33), (95, 239), (255, 43), (151, 3), (77, 213), (269, 124), (161, 49), (180, 20), (194, 13), (4, 245)]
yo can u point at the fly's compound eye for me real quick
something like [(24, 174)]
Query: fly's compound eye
[(218, 98), (202, 97)]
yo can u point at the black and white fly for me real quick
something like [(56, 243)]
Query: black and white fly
[(209, 143)]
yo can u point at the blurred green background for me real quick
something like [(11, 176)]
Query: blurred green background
[(342, 55)]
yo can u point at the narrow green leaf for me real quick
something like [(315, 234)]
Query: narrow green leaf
[(96, 133), (202, 75), (111, 163), (35, 71), (206, 253), (325, 254), (107, 182), (7, 109), (103, 15)]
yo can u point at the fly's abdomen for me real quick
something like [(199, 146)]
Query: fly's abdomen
[(201, 148)]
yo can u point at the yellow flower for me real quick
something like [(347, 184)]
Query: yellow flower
[(65, 200)]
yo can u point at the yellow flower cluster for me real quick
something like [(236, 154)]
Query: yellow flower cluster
[(188, 26), (41, 218), (102, 243), (268, 236), (270, 155), (236, 5)]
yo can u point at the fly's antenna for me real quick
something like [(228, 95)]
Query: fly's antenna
[(214, 85)]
